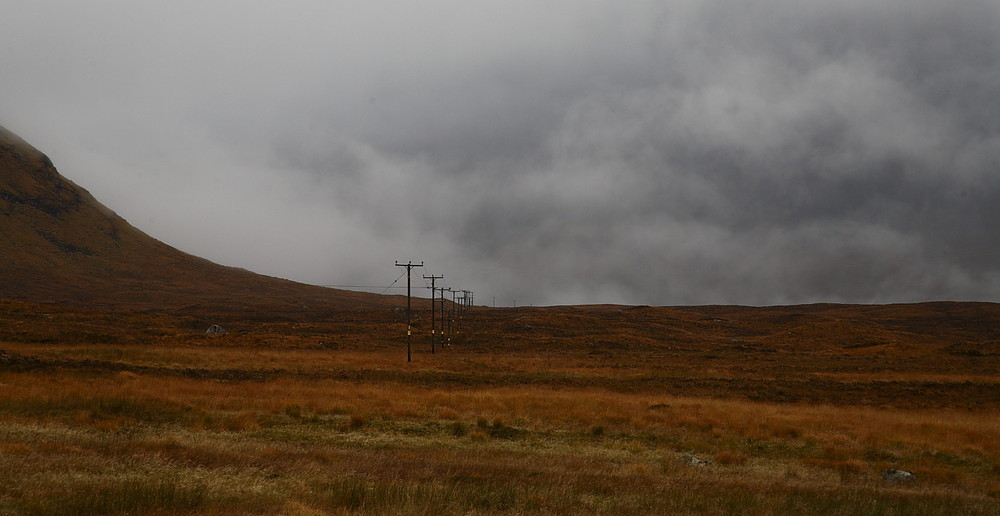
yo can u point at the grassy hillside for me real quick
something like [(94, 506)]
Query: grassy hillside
[(61, 245)]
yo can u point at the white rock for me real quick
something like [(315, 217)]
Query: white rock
[(695, 461), (898, 476), (215, 329)]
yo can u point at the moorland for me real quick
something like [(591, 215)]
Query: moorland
[(115, 400), (594, 410)]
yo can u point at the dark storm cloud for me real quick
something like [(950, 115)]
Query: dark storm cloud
[(655, 152)]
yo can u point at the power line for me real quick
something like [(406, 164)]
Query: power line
[(362, 286), (407, 273)]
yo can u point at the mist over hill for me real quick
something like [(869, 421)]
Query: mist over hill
[(61, 245)]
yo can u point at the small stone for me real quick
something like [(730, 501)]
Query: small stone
[(898, 476), (694, 461), (215, 329)]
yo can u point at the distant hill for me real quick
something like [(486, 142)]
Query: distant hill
[(60, 245)]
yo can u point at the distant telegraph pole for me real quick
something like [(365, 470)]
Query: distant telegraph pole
[(453, 325), (443, 301), (409, 334), (433, 308)]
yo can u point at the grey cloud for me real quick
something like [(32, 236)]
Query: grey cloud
[(660, 153)]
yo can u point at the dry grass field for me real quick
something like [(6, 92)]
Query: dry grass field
[(568, 410)]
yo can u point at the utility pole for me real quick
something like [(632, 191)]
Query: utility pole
[(454, 313), (409, 334), (443, 303), (433, 309), (442, 318)]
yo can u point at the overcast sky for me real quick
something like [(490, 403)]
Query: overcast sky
[(559, 152)]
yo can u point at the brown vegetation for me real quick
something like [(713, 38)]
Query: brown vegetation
[(113, 400), (570, 409)]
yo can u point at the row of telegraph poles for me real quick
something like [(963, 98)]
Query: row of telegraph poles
[(459, 304)]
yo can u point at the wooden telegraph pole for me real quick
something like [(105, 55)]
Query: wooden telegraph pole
[(453, 325), (433, 309), (443, 301), (409, 334)]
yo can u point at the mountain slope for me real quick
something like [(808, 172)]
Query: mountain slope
[(61, 245)]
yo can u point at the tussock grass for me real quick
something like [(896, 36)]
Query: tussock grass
[(97, 409), (119, 496), (745, 427), (596, 426), (358, 495), (311, 467)]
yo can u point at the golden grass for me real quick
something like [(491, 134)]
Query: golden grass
[(274, 423), (547, 407), (304, 468), (122, 399)]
